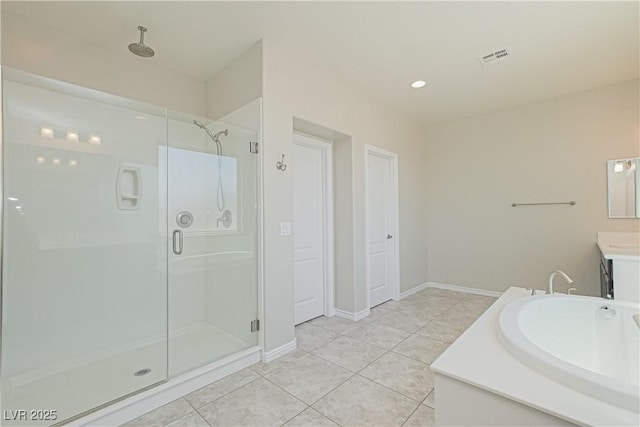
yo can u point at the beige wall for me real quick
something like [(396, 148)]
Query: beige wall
[(549, 151), (39, 50), (236, 85), (294, 87)]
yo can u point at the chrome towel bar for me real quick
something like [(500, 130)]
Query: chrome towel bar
[(572, 202)]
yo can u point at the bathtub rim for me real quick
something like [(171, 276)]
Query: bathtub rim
[(514, 341)]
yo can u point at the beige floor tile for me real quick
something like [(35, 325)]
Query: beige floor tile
[(163, 415), (389, 305), (422, 417), (191, 420), (443, 331), (221, 387), (360, 402), (421, 348), (402, 374), (263, 368), (431, 300), (442, 303), (475, 304), (458, 317), (480, 299), (445, 293), (376, 313), (349, 353), (258, 403), (334, 323), (310, 418), (431, 399), (421, 311), (311, 337), (378, 334), (407, 322), (309, 378)]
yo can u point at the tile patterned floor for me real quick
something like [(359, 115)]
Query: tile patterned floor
[(344, 373)]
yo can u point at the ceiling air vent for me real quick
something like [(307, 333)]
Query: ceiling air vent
[(493, 57)]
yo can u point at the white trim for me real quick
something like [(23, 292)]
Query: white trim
[(268, 356), (464, 289), (352, 316), (326, 148), (395, 218), (132, 407), (413, 290)]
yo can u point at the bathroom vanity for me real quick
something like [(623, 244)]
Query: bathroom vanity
[(619, 265)]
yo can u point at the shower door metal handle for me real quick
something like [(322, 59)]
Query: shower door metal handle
[(177, 242)]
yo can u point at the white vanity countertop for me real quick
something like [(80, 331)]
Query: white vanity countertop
[(624, 246), (478, 358)]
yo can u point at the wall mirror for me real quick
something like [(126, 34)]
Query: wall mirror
[(623, 184)]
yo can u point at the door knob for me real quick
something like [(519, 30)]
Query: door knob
[(389, 236)]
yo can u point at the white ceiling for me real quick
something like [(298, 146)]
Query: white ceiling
[(381, 47)]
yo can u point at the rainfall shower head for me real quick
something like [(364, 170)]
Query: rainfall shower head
[(140, 48)]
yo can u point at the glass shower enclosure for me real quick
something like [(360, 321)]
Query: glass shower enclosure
[(129, 247)]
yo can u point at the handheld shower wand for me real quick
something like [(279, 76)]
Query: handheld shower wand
[(225, 219)]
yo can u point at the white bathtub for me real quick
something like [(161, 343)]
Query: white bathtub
[(591, 345)]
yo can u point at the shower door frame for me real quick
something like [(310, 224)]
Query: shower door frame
[(1, 208), (9, 72), (132, 405), (129, 408)]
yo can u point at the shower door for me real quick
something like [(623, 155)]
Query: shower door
[(84, 284), (212, 228)]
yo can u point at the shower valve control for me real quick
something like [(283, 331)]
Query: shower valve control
[(184, 219)]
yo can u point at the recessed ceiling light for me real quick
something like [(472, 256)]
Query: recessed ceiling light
[(418, 84)]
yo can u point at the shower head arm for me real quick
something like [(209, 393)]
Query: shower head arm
[(142, 31)]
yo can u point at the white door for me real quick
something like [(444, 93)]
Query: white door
[(379, 228), (308, 231)]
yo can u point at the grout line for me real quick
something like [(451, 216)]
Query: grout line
[(396, 391), (223, 395), (411, 414), (433, 390), (307, 407), (188, 403), (290, 394), (392, 390)]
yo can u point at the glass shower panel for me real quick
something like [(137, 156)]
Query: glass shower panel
[(84, 302), (212, 216)]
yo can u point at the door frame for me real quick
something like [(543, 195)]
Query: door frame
[(395, 219), (326, 149)]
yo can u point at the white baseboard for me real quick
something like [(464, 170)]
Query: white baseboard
[(412, 291), (132, 407), (352, 316), (268, 356), (464, 289)]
